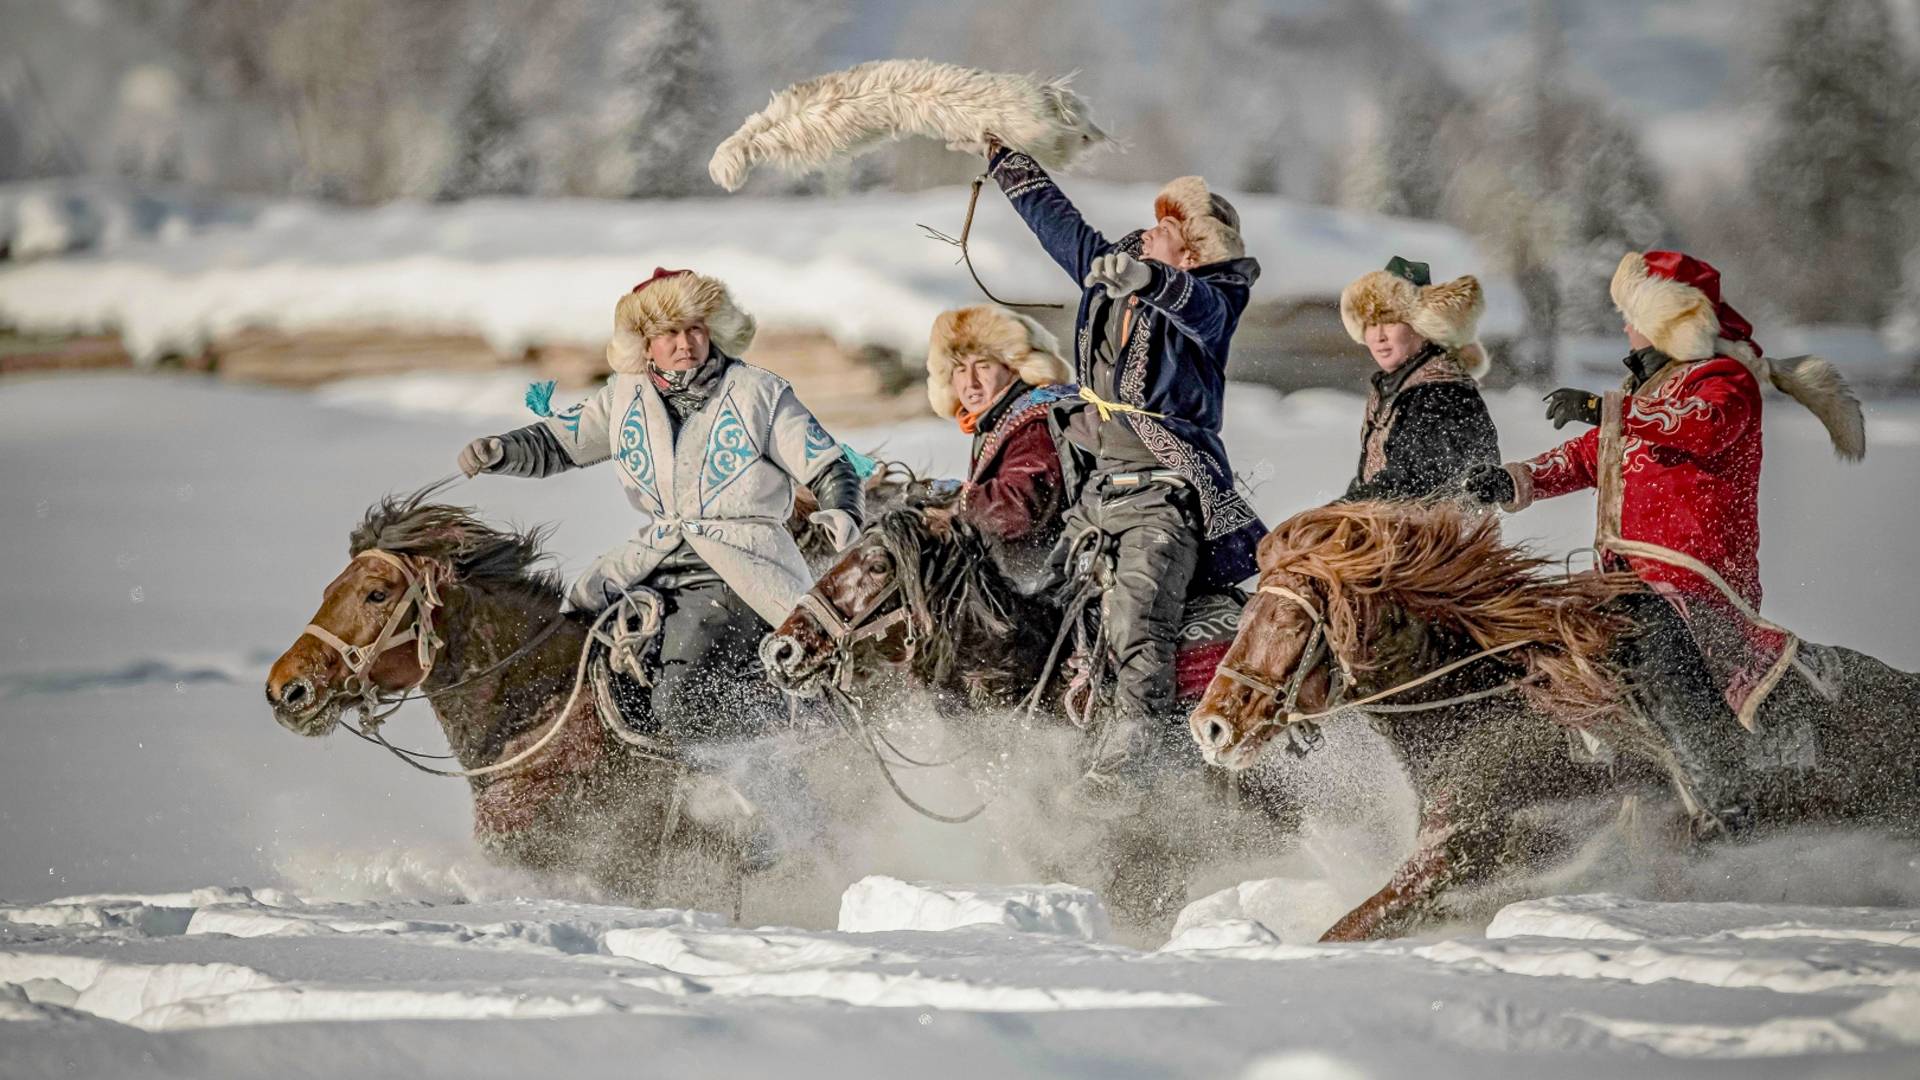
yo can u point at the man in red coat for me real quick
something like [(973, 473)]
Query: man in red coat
[(1675, 456), (1000, 375)]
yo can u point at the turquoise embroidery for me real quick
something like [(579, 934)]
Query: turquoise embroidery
[(730, 451), (635, 457), (570, 418), (819, 443)]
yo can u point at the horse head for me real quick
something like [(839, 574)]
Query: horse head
[(878, 608), (1275, 666), (377, 631)]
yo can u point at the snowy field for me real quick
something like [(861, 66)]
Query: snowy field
[(191, 891)]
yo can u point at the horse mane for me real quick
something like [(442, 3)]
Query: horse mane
[(948, 579), (477, 552), (1447, 565)]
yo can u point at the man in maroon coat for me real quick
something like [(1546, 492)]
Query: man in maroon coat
[(999, 374)]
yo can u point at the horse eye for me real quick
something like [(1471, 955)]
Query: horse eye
[(376, 596)]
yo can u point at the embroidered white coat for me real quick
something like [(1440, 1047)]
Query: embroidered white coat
[(725, 485)]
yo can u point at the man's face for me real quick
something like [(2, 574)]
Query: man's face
[(978, 382), (1392, 343), (1635, 339), (679, 350), (1164, 244)]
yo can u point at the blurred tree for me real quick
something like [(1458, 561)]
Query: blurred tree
[(1834, 178), (665, 79), (491, 156)]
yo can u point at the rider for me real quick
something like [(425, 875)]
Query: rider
[(1000, 376), (1675, 456), (1425, 422), (709, 448), (1157, 312)]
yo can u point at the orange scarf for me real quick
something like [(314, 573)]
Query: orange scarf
[(970, 421)]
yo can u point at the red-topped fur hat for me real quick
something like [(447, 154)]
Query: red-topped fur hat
[(671, 300), (1674, 301)]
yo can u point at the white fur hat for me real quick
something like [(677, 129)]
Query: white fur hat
[(991, 331), (1208, 223), (1447, 314), (671, 300)]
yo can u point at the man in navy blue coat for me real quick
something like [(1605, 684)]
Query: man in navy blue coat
[(1157, 313)]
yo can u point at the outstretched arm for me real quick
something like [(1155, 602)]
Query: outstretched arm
[(567, 440), (1055, 221)]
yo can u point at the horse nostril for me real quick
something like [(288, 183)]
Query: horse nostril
[(1216, 734), (778, 652), (294, 692)]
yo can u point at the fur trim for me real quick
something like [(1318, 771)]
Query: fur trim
[(1447, 314), (1679, 319), (1208, 223), (1815, 383), (992, 331), (669, 303), (809, 123)]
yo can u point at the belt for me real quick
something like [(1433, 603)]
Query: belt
[(1142, 479)]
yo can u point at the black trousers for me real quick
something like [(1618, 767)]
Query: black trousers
[(708, 683), (1153, 532), (1677, 693)]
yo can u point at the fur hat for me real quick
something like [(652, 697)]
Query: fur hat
[(1208, 223), (989, 330), (668, 301), (1447, 314), (1674, 301)]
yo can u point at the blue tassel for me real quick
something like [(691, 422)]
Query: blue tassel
[(863, 465), (540, 397)]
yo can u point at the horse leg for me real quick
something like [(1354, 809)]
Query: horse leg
[(1413, 888)]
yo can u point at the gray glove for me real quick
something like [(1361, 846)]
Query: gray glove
[(1120, 273), (481, 454), (843, 528)]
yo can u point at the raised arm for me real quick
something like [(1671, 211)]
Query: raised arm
[(569, 439), (1055, 221)]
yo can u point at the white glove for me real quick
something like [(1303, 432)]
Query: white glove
[(1120, 273), (840, 526), (480, 455)]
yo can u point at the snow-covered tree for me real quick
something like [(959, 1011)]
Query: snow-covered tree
[(666, 82), (1834, 178)]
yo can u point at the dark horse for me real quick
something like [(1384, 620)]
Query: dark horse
[(921, 603), (1383, 594), (640, 826)]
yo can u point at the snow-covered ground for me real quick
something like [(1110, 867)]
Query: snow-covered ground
[(192, 891), (527, 271)]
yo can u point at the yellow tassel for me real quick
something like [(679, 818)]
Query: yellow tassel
[(1109, 408)]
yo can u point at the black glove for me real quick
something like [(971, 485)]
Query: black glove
[(1488, 483), (1568, 403)]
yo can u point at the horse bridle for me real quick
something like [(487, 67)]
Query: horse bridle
[(421, 599), (868, 624), (1280, 704)]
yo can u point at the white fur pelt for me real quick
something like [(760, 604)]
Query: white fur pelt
[(809, 123), (1815, 383)]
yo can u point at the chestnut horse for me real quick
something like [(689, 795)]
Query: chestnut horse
[(433, 599), (920, 603), (1376, 597)]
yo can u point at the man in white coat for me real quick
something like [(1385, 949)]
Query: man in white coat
[(709, 450)]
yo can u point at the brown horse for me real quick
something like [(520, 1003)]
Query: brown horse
[(1379, 595), (921, 603), (434, 599)]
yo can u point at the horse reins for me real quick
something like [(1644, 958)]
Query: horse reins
[(422, 599), (1284, 713)]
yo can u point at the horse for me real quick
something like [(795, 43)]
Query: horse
[(435, 601), (1502, 688), (922, 602)]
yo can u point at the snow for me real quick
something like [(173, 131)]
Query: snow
[(190, 891), (528, 271), (878, 902)]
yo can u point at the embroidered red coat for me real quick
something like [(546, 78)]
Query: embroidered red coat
[(1689, 480), (1016, 488)]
